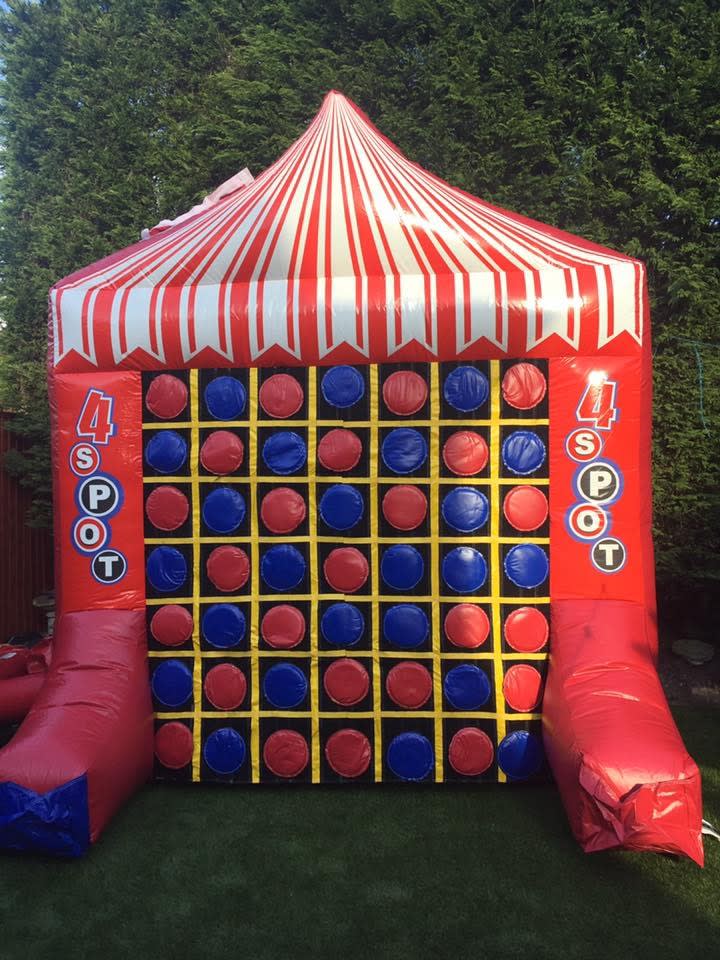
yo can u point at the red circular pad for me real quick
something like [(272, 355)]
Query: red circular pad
[(467, 626), (348, 752), (166, 397), (526, 630), (282, 510), (523, 386), (346, 569), (286, 753), (281, 396), (409, 684), (228, 568), (346, 682), (225, 686), (339, 450), (404, 392), (404, 507), (526, 508), (522, 687), (167, 508), (174, 745), (470, 752), (171, 625), (283, 627), (465, 453), (222, 452)]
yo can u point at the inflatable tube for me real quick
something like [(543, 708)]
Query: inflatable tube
[(17, 696)]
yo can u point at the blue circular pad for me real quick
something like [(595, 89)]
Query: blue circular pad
[(520, 755), (466, 389), (406, 626), (404, 450), (225, 398), (464, 569), (342, 386), (342, 624), (224, 751), (465, 509), (166, 569), (410, 756), (172, 683), (526, 565), (402, 567), (223, 625), (342, 506), (285, 686), (523, 452), (466, 687), (166, 451), (223, 509), (282, 567), (284, 452)]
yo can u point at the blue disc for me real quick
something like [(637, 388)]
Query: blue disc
[(466, 687), (223, 509), (342, 386), (410, 756), (465, 509), (223, 625), (466, 388), (406, 626), (342, 624), (172, 683), (342, 506), (285, 686), (284, 452), (224, 751), (282, 567), (527, 565), (166, 569), (404, 450), (166, 451), (225, 398), (402, 567), (523, 452), (520, 755), (464, 569)]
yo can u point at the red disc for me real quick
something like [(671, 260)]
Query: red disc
[(526, 508), (523, 386), (409, 684), (174, 745), (348, 752), (522, 687), (467, 626), (465, 453), (283, 627), (346, 569), (346, 682), (281, 396), (167, 508), (222, 452), (228, 568), (526, 630), (404, 507), (286, 753), (171, 625), (166, 397), (404, 392), (339, 450), (470, 752), (225, 686), (282, 510)]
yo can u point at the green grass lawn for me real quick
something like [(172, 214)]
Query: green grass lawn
[(394, 873)]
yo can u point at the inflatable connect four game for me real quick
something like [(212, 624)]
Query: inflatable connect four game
[(352, 486)]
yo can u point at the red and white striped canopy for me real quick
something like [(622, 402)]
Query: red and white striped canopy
[(344, 250)]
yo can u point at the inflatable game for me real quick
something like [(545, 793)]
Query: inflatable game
[(352, 486)]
